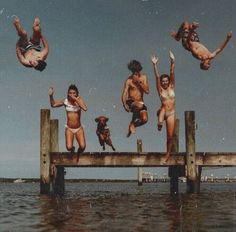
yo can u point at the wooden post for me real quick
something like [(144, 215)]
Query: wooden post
[(58, 181), (193, 171), (174, 171), (140, 170), (44, 151)]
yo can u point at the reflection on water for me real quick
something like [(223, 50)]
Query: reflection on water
[(118, 207)]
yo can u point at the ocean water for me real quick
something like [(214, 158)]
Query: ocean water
[(118, 207)]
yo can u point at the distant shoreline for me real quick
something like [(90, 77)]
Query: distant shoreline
[(37, 180)]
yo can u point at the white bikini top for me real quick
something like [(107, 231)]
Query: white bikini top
[(69, 107), (169, 96)]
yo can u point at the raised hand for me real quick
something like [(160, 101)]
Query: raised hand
[(50, 91), (154, 59), (230, 34), (172, 57), (195, 25)]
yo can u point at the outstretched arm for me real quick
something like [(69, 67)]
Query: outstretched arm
[(156, 72), (53, 102), (45, 50), (172, 68), (222, 46), (124, 95)]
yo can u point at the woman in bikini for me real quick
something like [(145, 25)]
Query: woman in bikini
[(165, 85), (73, 106)]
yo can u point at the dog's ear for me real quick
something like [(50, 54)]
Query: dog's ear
[(106, 119), (96, 119)]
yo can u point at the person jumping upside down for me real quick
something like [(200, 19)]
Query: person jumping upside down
[(29, 52), (190, 41)]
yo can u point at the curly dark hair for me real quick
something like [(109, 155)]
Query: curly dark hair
[(73, 87), (134, 66), (41, 65)]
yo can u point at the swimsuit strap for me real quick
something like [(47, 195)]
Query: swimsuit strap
[(69, 107)]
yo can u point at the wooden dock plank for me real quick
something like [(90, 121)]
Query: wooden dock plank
[(143, 159), (115, 159)]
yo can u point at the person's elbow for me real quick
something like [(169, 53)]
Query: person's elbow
[(53, 105), (85, 108), (146, 91)]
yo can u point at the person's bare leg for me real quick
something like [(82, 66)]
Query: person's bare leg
[(131, 129), (178, 35), (35, 39), (170, 127), (160, 115), (20, 30), (80, 137), (69, 140)]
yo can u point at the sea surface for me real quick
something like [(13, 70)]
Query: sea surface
[(122, 206)]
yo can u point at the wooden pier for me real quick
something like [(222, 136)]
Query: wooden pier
[(187, 163)]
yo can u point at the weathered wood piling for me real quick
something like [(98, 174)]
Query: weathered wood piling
[(140, 170), (193, 170), (53, 162)]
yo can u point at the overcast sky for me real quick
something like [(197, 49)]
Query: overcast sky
[(91, 42)]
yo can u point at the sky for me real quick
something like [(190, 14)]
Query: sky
[(91, 42)]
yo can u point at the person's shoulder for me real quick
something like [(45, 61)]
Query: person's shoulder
[(129, 79), (144, 76)]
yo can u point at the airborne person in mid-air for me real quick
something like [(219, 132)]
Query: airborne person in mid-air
[(29, 52), (190, 42)]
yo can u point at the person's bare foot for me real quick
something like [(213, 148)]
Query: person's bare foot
[(159, 127), (174, 35), (16, 20), (72, 149), (36, 22), (195, 25), (166, 158), (131, 130)]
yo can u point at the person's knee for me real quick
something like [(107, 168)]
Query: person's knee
[(82, 147), (144, 119), (23, 33), (69, 147)]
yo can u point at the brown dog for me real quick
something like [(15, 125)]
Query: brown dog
[(103, 132)]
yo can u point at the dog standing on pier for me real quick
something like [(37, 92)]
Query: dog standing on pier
[(103, 132)]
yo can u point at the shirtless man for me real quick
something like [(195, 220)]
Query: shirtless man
[(132, 97), (190, 42), (29, 52)]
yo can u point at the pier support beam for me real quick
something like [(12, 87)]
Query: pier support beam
[(58, 182), (175, 171), (44, 151), (140, 170), (193, 171)]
